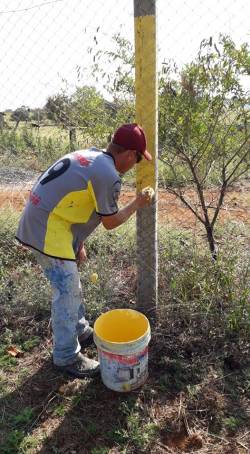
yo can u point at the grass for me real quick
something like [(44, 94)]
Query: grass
[(35, 150), (197, 394), (31, 150)]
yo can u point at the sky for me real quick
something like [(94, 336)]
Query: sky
[(44, 44)]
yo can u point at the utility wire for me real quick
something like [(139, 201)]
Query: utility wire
[(30, 7)]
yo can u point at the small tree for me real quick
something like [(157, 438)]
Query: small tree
[(37, 115), (58, 109), (20, 114), (204, 131), (89, 111)]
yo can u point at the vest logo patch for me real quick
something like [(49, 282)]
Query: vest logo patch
[(82, 161), (34, 198)]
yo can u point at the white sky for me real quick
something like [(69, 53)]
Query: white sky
[(42, 45)]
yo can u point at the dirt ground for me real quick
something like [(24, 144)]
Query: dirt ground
[(196, 396), (171, 210)]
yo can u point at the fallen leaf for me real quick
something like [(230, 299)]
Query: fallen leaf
[(193, 442), (14, 351), (72, 388)]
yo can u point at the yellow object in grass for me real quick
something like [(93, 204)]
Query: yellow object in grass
[(94, 278)]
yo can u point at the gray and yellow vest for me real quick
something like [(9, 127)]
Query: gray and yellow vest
[(67, 202)]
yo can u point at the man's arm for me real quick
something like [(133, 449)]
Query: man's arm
[(113, 221)]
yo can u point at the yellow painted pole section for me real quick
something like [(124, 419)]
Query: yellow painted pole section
[(145, 77)]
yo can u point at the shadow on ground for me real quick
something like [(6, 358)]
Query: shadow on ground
[(69, 415), (77, 416)]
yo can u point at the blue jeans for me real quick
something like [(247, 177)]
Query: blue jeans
[(68, 312)]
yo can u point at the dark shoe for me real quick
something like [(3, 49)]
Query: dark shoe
[(82, 367), (86, 339)]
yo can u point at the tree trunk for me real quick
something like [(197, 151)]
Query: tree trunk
[(72, 139), (16, 126), (211, 241)]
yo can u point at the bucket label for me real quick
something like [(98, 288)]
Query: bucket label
[(123, 372)]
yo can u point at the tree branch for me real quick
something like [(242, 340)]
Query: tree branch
[(220, 201), (198, 186), (240, 174), (180, 195), (238, 150), (182, 198), (208, 138)]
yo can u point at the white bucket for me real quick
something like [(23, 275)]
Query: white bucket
[(122, 337)]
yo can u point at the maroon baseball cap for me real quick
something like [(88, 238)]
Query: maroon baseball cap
[(132, 137)]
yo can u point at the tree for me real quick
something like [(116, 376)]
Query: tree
[(120, 82), (37, 114), (20, 114), (90, 112), (204, 130), (58, 109), (85, 110), (203, 119)]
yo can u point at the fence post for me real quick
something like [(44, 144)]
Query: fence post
[(147, 172), (72, 138)]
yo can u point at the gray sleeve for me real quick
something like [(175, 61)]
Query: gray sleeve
[(107, 193)]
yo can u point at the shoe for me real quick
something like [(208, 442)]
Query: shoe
[(82, 367), (86, 339)]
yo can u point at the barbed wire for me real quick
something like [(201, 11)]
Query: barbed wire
[(39, 5)]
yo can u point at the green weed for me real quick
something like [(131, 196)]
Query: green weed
[(31, 343), (231, 423), (100, 450), (13, 441), (28, 444), (60, 410), (24, 417), (7, 362), (76, 399), (92, 428), (137, 432), (18, 442)]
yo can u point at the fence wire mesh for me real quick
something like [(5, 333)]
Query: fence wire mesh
[(68, 81)]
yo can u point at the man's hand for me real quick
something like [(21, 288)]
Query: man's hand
[(81, 255), (144, 198)]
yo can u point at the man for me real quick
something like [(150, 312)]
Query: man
[(67, 203)]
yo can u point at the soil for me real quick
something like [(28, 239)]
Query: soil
[(171, 210)]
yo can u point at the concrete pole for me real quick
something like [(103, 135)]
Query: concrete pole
[(147, 172)]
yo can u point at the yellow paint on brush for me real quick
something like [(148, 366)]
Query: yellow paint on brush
[(146, 100), (149, 192)]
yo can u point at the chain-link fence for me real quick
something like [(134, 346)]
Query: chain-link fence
[(68, 81), (72, 71)]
